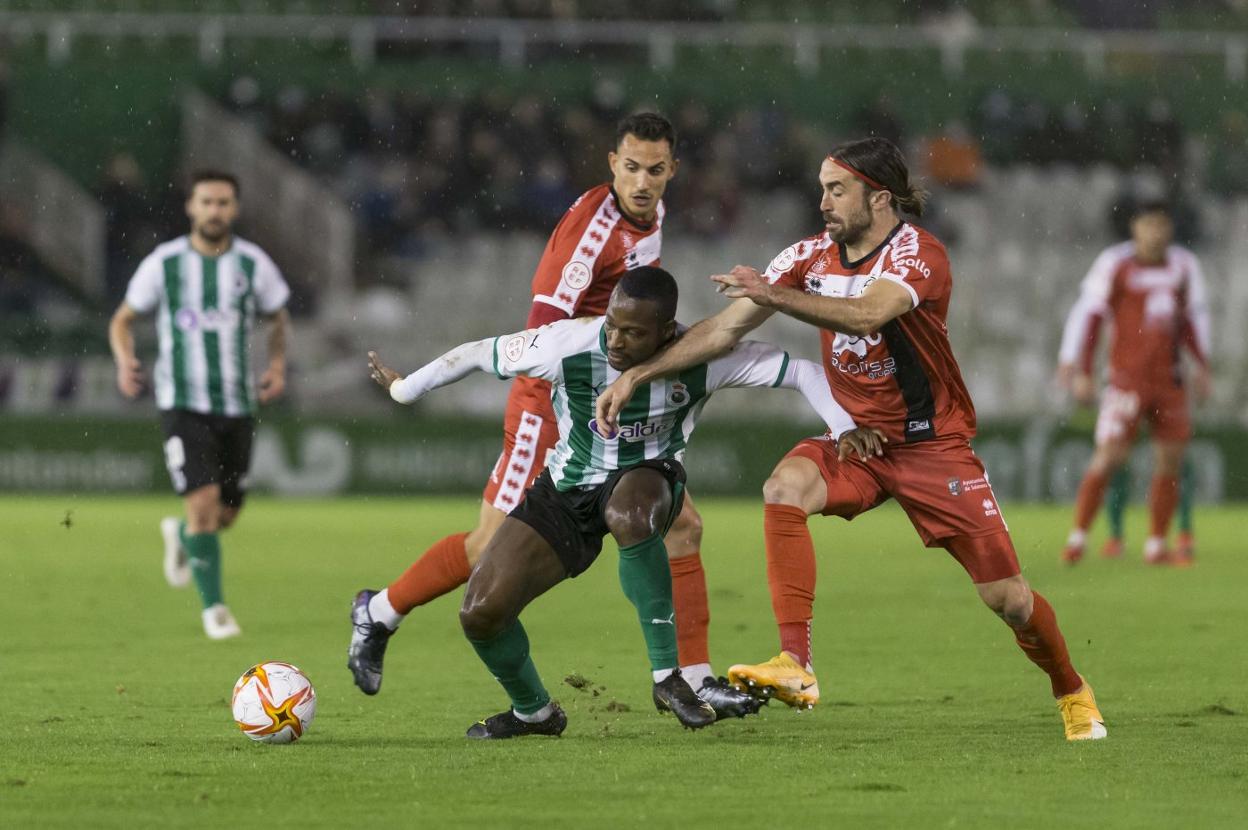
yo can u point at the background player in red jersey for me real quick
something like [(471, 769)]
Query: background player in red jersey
[(1155, 293), (878, 289), (609, 230)]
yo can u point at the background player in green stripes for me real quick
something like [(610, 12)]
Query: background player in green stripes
[(207, 288), (629, 483)]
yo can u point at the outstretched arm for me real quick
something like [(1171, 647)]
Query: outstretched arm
[(705, 340), (453, 366), (883, 300), (809, 379)]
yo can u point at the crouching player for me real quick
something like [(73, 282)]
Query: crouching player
[(628, 483)]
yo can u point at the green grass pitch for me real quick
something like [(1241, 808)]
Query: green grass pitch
[(113, 706)]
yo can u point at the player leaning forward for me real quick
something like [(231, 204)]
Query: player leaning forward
[(629, 483), (878, 289), (207, 288)]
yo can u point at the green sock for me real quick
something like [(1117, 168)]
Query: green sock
[(204, 551), (1187, 495), (647, 582), (506, 655), (182, 533), (1116, 500)]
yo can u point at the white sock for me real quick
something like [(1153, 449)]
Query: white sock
[(380, 609), (538, 716), (661, 674), (1076, 538), (697, 673), (1154, 547)]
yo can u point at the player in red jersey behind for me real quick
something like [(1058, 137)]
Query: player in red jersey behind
[(1154, 291), (610, 229), (878, 288)]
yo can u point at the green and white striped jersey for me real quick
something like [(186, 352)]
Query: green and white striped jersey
[(207, 308), (657, 421)]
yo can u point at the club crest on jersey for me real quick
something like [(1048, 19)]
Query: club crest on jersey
[(679, 396), (955, 487), (514, 348), (576, 275), (186, 319)]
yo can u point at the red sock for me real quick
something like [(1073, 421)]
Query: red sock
[(1163, 498), (1041, 640), (791, 576), (440, 569), (693, 615), (1091, 493)]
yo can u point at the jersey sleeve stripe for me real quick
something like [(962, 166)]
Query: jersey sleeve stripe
[(497, 373), (784, 367), (914, 295), (566, 308)]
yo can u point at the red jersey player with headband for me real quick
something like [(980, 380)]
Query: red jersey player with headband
[(610, 229), (1154, 293), (878, 288)]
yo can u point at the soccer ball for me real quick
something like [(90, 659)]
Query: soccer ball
[(273, 703)]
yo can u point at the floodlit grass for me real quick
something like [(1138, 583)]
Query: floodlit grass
[(113, 706)]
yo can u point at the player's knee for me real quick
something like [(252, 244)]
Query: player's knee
[(481, 617), (1010, 599), (227, 517), (784, 486), (633, 523)]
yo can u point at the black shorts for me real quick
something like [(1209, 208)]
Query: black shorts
[(574, 522), (208, 449)]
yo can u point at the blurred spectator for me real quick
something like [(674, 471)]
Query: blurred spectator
[(953, 159), (127, 210), (1228, 166)]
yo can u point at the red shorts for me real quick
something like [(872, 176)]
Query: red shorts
[(1164, 408), (528, 435), (942, 486)]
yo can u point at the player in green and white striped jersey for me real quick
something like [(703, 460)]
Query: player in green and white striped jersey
[(207, 288), (629, 484)]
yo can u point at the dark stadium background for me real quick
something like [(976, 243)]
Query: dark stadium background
[(403, 162)]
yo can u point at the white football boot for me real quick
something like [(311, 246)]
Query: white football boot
[(219, 623)]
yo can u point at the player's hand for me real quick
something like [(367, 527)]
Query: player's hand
[(1083, 389), (611, 401), (1202, 384), (273, 382), (743, 281), (866, 441), (380, 372), (130, 378)]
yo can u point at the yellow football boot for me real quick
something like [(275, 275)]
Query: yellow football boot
[(780, 677), (1082, 719)]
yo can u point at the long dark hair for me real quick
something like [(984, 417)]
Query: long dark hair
[(879, 159)]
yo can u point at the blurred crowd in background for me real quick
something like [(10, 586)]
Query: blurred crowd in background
[(415, 169)]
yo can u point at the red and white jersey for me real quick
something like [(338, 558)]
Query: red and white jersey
[(589, 250), (903, 379), (1155, 308)]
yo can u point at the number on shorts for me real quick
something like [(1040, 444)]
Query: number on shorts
[(175, 460)]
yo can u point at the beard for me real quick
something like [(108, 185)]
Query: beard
[(213, 231), (850, 230)]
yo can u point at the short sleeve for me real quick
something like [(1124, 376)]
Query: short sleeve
[(539, 352), (147, 285), (918, 263), (750, 363), (789, 266), (573, 258), (271, 289)]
